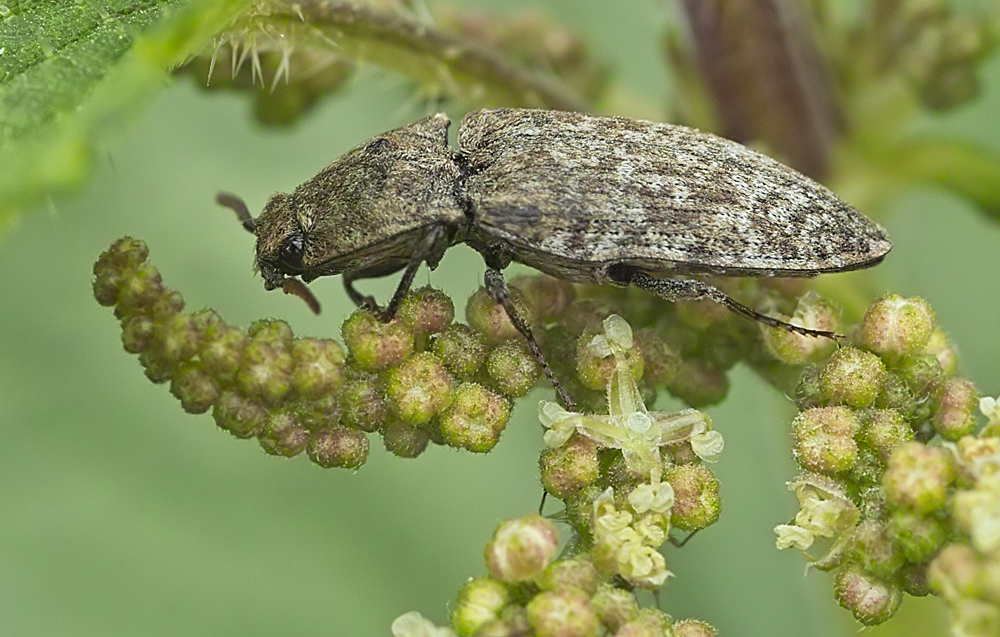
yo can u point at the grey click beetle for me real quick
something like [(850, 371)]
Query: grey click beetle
[(600, 200)]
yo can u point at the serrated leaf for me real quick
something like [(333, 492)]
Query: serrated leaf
[(71, 71)]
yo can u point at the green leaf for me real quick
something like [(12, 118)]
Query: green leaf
[(69, 72)]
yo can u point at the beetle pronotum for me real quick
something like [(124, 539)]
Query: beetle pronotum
[(602, 200)]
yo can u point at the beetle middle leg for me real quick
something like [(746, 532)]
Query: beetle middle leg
[(694, 290), (497, 289)]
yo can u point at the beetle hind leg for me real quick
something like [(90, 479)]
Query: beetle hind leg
[(496, 286), (694, 290)]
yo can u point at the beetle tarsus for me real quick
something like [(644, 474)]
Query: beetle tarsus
[(497, 289), (680, 543), (693, 290)]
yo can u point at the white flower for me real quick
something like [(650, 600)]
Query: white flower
[(413, 624), (708, 445), (649, 497), (642, 566), (790, 535), (991, 408)]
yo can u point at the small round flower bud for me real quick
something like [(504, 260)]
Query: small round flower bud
[(694, 628), (650, 622), (792, 348), (126, 252), (614, 606), (239, 415), (271, 331), (317, 414), (941, 348), (852, 377), (419, 389), (170, 302), (375, 345), (699, 383), (176, 338), (696, 497), (363, 405), (479, 601), (898, 396), (488, 317), (547, 296), (913, 580), (565, 613), (404, 440), (955, 572), (426, 311), (475, 419), (896, 327), (512, 368), (570, 467), (594, 367), (196, 390), (662, 362), (587, 314), (884, 430), (284, 434), (157, 367), (319, 367), (137, 331), (222, 352), (573, 572), (923, 374), (139, 290), (956, 409), (871, 600), (124, 256), (521, 549), (462, 350), (265, 371), (824, 439), (205, 322), (873, 550), (338, 447), (917, 478), (808, 392), (917, 537)]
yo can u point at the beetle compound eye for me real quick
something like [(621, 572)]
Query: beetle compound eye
[(290, 253)]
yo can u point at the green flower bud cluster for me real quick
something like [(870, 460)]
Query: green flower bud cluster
[(651, 460), (415, 379), (966, 571), (938, 49), (871, 483), (531, 591), (261, 383)]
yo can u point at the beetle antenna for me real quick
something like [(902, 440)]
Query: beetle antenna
[(234, 203), (299, 289)]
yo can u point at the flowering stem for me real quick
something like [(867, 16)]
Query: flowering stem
[(420, 51)]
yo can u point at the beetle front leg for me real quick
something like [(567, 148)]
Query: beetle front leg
[(424, 250), (694, 290), (496, 286)]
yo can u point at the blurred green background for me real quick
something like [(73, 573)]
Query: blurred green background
[(122, 515)]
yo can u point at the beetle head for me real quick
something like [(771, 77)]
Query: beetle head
[(280, 243)]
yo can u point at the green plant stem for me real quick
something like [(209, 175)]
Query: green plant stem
[(419, 51)]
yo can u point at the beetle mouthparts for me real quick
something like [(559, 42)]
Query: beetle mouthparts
[(299, 289)]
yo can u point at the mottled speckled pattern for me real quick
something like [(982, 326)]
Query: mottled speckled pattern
[(372, 205), (570, 194)]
